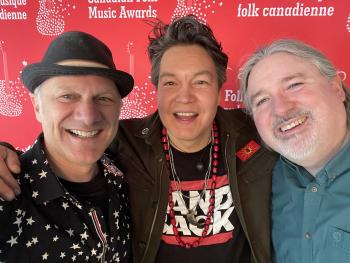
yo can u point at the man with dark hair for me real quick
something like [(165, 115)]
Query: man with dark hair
[(73, 206), (301, 108), (195, 172)]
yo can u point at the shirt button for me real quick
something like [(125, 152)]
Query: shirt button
[(307, 235), (337, 236), (314, 189)]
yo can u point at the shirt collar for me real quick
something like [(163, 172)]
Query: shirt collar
[(338, 165), (45, 185)]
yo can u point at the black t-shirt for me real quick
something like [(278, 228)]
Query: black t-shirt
[(225, 241), (93, 193)]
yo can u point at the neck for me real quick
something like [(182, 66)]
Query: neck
[(190, 146), (71, 171), (75, 174)]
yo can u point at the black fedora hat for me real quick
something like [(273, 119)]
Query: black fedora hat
[(79, 46)]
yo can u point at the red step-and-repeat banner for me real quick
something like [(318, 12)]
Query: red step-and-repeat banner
[(27, 26)]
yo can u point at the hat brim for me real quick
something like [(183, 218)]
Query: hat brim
[(35, 74)]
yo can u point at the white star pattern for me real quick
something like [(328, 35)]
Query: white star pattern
[(70, 232), (18, 221), (45, 256), (75, 246), (35, 240), (30, 221), (84, 235), (35, 194), (65, 205), (116, 214), (12, 241), (32, 231), (42, 174), (19, 231), (19, 212)]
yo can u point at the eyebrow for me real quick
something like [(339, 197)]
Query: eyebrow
[(283, 80), (202, 72), (257, 94), (293, 76)]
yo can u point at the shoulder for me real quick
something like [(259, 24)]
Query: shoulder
[(236, 121), (134, 131), (137, 124)]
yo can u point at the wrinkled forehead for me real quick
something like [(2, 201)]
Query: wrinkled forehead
[(280, 66), (80, 84)]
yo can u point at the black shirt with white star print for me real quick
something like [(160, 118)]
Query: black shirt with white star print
[(46, 223)]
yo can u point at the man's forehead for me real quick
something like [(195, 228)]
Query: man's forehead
[(80, 83), (194, 73), (81, 63)]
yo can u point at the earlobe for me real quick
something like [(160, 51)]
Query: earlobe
[(338, 86)]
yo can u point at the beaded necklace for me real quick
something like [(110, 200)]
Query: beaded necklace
[(191, 212)]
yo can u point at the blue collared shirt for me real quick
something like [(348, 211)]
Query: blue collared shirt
[(311, 215)]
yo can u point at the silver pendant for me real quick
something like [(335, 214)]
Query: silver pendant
[(200, 166), (191, 218)]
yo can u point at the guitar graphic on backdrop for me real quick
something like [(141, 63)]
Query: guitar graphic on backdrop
[(50, 18), (140, 101), (129, 103), (185, 7), (130, 48), (199, 8), (9, 104)]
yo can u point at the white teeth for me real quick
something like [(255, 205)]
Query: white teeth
[(293, 124), (186, 114), (84, 134)]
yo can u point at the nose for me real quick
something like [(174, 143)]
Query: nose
[(87, 111), (282, 105), (185, 94)]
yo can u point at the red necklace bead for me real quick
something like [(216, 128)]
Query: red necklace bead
[(215, 163)]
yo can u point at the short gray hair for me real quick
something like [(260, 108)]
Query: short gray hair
[(296, 48)]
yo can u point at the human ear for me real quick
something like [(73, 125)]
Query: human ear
[(36, 105)]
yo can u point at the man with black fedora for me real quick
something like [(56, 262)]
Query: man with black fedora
[(73, 206)]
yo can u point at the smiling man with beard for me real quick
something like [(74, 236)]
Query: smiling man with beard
[(301, 109)]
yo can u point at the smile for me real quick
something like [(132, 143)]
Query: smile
[(83, 134), (293, 124), (185, 114)]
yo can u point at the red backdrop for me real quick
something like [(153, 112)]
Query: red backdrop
[(27, 26)]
